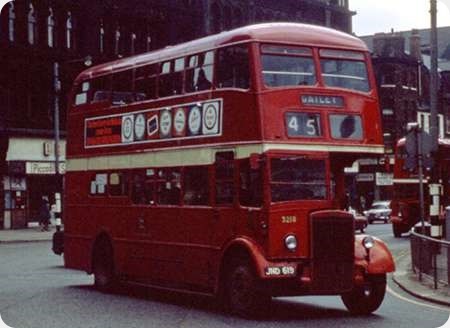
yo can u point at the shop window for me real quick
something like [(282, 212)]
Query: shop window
[(195, 186), (142, 186), (117, 185), (233, 67), (199, 73), (168, 186), (98, 184), (224, 168), (250, 185)]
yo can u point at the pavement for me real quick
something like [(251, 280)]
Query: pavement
[(409, 281), (404, 277), (26, 235)]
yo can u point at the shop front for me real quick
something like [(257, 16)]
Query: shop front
[(31, 175)]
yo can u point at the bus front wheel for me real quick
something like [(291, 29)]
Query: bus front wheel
[(365, 299), (243, 297), (103, 267)]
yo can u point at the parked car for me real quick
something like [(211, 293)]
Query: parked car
[(379, 211)]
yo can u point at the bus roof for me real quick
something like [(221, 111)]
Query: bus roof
[(290, 33)]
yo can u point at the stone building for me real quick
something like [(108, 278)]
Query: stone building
[(41, 38), (401, 66)]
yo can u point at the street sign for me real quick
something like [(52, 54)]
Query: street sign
[(413, 139), (411, 150)]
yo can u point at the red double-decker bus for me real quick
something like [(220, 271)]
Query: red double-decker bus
[(217, 167), (405, 203)]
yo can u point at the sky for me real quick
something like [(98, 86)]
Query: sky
[(374, 16)]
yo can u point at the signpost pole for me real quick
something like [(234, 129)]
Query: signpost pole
[(420, 169), (57, 89)]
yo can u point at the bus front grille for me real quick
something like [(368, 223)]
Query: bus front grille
[(332, 251)]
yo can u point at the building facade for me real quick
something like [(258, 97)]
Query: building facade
[(403, 82), (44, 44)]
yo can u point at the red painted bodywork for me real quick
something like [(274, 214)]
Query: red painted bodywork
[(183, 247), (405, 210)]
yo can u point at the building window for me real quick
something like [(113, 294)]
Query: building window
[(133, 43), (51, 29), (102, 38), (148, 43), (11, 21), (32, 28), (117, 42), (69, 31)]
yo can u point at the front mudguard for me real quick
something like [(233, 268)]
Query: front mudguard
[(378, 260)]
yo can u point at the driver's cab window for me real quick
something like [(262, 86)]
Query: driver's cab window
[(250, 184)]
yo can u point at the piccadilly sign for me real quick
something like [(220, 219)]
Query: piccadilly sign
[(185, 121)]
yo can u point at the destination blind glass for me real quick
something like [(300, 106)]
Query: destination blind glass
[(303, 124)]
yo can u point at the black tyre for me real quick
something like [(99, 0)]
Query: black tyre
[(396, 231), (242, 295), (103, 267), (363, 300)]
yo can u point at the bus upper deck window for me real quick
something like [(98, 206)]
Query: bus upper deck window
[(145, 82), (287, 65), (344, 69), (199, 73), (170, 78), (100, 89), (122, 92), (233, 67), (81, 93)]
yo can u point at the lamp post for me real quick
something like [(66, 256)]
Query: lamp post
[(87, 61), (57, 91), (434, 185)]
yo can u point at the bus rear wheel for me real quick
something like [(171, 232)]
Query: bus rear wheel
[(103, 267), (365, 299), (242, 295)]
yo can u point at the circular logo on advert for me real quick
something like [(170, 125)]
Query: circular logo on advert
[(194, 120), (139, 126), (165, 123), (210, 117), (127, 128), (179, 120)]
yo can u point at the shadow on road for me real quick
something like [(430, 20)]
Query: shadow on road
[(279, 310)]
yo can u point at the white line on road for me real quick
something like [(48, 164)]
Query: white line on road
[(435, 307)]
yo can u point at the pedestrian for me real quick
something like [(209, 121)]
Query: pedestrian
[(44, 214)]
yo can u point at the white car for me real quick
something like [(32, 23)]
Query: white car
[(379, 211)]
